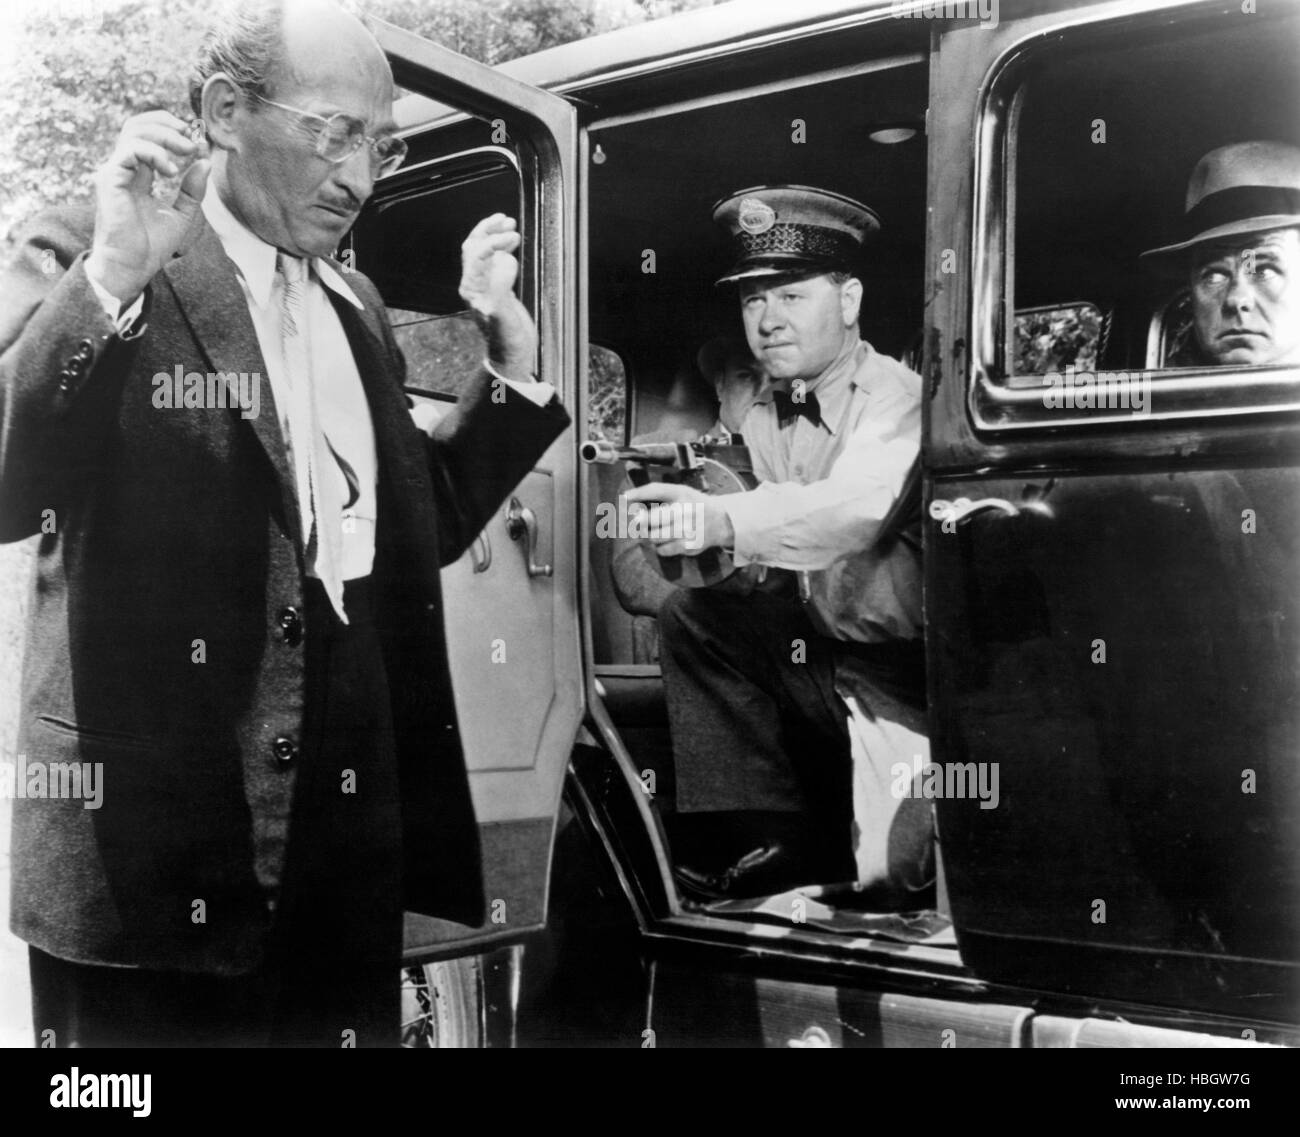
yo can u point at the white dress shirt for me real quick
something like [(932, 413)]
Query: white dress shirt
[(341, 405), (344, 414), (826, 486)]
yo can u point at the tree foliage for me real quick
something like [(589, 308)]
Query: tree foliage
[(1058, 338), (84, 66)]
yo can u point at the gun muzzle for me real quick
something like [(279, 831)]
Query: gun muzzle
[(606, 453), (598, 450)]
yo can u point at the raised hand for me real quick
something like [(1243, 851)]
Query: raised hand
[(135, 232), (489, 271)]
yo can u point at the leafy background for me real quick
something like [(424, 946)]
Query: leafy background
[(1052, 339), (75, 69)]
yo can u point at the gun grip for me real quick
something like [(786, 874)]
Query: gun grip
[(671, 567), (710, 565)]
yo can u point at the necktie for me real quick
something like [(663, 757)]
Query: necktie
[(318, 502), (788, 409)]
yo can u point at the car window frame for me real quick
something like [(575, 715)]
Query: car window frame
[(411, 182), (997, 401)]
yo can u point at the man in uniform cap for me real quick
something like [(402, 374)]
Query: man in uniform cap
[(789, 708), (1239, 251)]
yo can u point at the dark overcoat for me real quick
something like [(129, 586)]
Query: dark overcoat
[(165, 638)]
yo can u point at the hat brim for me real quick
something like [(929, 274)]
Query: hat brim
[(1167, 259), (792, 267)]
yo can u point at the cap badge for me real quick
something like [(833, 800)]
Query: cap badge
[(756, 216)]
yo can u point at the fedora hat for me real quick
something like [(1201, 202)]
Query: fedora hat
[(1248, 187)]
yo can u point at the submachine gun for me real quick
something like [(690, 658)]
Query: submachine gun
[(720, 467), (711, 465)]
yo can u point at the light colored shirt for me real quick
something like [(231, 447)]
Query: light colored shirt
[(826, 486), (344, 414), (341, 405)]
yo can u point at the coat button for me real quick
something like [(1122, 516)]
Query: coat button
[(284, 749), (290, 626)]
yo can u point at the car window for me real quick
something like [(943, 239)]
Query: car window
[(606, 395), (443, 353), (408, 243), (1057, 336), (1088, 145)]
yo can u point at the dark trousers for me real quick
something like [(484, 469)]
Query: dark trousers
[(758, 723), (331, 976)]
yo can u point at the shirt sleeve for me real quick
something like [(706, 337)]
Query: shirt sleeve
[(428, 415), (113, 306), (539, 393), (810, 527)]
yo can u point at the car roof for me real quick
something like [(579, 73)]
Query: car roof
[(575, 65)]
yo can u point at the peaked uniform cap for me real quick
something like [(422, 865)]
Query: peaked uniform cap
[(792, 229)]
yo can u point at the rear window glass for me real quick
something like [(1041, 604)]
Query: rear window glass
[(443, 353), (1105, 138), (1056, 337), (606, 395)]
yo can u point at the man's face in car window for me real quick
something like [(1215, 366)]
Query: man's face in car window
[(1246, 298), (797, 326)]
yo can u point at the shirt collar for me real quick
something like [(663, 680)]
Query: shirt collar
[(255, 259), (833, 387)]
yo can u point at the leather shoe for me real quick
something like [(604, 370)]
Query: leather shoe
[(770, 867)]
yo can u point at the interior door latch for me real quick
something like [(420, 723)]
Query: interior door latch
[(521, 522)]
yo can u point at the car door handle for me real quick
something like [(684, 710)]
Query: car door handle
[(521, 522), (953, 512), (480, 552), (814, 1038)]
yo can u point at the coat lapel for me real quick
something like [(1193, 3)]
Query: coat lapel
[(208, 292)]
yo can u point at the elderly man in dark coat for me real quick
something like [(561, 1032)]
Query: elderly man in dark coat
[(236, 632)]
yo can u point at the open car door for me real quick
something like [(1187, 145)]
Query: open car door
[(1109, 631), (512, 626)]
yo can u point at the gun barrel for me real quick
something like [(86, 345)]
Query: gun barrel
[(606, 453)]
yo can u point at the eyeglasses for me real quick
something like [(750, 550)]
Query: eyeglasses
[(340, 136)]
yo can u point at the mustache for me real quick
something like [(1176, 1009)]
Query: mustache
[(349, 203)]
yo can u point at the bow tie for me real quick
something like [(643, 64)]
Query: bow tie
[(788, 409)]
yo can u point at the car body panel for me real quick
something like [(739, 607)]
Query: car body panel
[(512, 626), (1121, 781)]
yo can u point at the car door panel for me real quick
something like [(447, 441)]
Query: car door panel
[(512, 632), (1112, 623)]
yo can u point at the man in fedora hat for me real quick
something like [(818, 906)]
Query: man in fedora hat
[(1239, 251), (784, 705)]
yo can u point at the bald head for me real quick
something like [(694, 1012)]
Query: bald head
[(270, 78), (262, 45), (322, 43)]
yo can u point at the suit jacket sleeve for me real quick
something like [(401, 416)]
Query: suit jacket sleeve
[(481, 451), (61, 362)]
